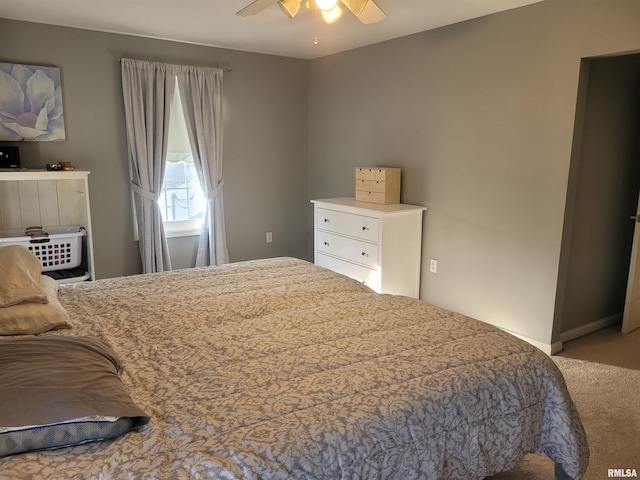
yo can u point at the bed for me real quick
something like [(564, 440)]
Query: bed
[(280, 369)]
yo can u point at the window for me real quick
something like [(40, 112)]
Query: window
[(181, 201)]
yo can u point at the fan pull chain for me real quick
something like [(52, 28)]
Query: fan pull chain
[(315, 23)]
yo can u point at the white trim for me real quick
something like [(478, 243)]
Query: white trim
[(548, 348), (39, 174), (590, 327), (556, 347)]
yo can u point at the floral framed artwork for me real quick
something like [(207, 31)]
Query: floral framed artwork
[(31, 107)]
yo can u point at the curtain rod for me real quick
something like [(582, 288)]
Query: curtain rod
[(225, 70)]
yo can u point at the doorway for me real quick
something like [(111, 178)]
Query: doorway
[(604, 183)]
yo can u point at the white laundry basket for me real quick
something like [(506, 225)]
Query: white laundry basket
[(57, 248)]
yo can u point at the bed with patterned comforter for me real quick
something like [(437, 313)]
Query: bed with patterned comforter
[(279, 369)]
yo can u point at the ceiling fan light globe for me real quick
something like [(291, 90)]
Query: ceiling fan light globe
[(326, 4), (289, 7), (333, 15)]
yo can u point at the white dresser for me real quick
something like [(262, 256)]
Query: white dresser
[(379, 245)]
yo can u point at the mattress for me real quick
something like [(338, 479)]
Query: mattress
[(280, 369)]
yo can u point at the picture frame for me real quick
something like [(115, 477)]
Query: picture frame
[(31, 103)]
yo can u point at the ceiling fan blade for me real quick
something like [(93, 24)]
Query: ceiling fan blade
[(255, 7), (289, 7), (366, 10)]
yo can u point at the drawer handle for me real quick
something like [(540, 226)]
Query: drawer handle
[(326, 220), (365, 254), (326, 244), (364, 228)]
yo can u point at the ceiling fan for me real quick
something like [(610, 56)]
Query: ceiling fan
[(366, 10)]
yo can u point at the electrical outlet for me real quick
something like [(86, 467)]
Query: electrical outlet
[(433, 265), (269, 237)]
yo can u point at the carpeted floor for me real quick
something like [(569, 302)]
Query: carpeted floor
[(602, 371)]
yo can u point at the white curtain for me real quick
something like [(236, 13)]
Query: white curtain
[(201, 95), (148, 89)]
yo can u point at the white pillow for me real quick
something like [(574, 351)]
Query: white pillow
[(28, 318), (20, 277)]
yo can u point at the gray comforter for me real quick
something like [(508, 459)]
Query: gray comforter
[(281, 369)]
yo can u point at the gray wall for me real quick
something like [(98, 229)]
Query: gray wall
[(607, 180), (480, 117), (265, 138)]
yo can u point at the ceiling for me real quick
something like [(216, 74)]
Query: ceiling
[(214, 22)]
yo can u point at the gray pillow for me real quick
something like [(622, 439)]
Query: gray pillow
[(58, 391)]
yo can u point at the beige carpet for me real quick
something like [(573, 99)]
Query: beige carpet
[(602, 371)]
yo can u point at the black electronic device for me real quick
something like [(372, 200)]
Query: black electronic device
[(9, 157)]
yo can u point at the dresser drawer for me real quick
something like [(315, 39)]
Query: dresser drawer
[(367, 276), (347, 248), (364, 185), (371, 186), (358, 226), (371, 197), (383, 174)]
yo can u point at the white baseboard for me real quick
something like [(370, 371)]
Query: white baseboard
[(555, 347), (548, 348), (590, 328)]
